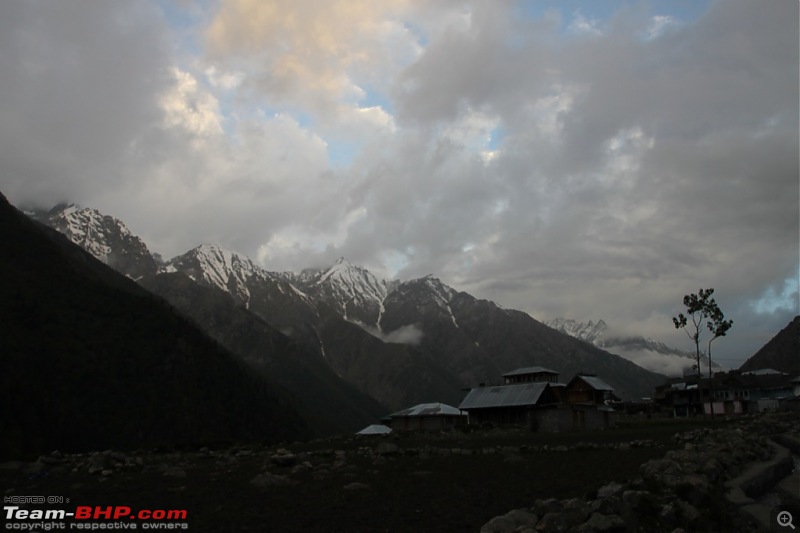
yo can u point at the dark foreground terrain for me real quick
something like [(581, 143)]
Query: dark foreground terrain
[(453, 481)]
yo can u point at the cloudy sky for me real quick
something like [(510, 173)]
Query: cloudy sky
[(566, 158)]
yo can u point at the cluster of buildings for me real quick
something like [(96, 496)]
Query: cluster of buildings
[(532, 397), (728, 393), (535, 398)]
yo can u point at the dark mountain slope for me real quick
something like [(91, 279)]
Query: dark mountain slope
[(90, 360), (782, 352), (479, 341), (399, 375), (332, 405)]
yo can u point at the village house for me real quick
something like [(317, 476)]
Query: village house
[(427, 417), (533, 397), (530, 374), (515, 404), (681, 397), (590, 390)]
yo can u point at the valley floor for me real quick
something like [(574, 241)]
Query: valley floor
[(409, 482)]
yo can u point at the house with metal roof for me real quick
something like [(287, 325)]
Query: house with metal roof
[(507, 404), (589, 389), (529, 374), (533, 397), (426, 416), (375, 429)]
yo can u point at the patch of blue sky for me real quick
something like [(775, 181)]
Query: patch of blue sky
[(395, 261), (228, 117), (186, 21), (417, 32), (788, 299), (303, 118), (683, 10), (374, 98), (341, 154), (496, 137)]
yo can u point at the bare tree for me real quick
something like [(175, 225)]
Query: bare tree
[(700, 308)]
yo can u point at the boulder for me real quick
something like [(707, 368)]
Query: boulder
[(602, 523), (175, 471), (284, 459), (387, 448), (516, 520), (559, 522), (271, 480), (356, 486)]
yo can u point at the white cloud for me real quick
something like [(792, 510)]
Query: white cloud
[(312, 53), (409, 334), (472, 130), (227, 81), (583, 25), (601, 172), (187, 105), (660, 24)]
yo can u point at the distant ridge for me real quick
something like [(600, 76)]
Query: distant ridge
[(645, 352), (782, 352)]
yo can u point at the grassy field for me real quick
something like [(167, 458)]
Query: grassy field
[(431, 485)]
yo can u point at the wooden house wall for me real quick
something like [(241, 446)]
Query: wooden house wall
[(425, 423), (502, 416), (570, 419)]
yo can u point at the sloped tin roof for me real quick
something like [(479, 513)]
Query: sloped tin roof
[(375, 429), (529, 370), (428, 409), (504, 396), (596, 383)]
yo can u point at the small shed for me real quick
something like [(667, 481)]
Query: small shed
[(375, 429), (507, 404), (426, 417)]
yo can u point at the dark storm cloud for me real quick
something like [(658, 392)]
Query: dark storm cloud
[(78, 83)]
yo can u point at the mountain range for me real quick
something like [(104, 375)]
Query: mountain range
[(108, 345), (92, 360), (396, 343), (645, 352)]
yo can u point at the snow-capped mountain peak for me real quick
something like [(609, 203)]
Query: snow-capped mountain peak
[(87, 228), (645, 352), (218, 267), (356, 291), (587, 331), (105, 237), (442, 293)]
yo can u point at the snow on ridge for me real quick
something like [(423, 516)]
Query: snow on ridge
[(442, 292), (223, 268), (588, 331), (90, 229), (353, 282)]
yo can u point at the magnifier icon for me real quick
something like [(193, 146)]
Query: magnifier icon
[(785, 519)]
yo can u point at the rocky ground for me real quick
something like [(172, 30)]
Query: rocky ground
[(695, 487), (649, 476)]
